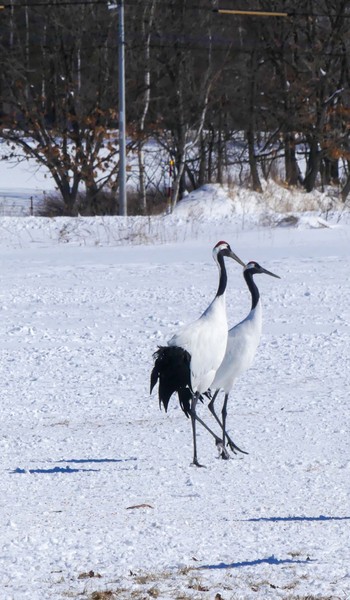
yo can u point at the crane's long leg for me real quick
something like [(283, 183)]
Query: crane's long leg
[(233, 447), (224, 415), (193, 421), (211, 408), (194, 418)]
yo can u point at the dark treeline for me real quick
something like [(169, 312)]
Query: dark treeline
[(267, 94)]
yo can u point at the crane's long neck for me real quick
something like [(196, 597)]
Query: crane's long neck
[(252, 288), (223, 276)]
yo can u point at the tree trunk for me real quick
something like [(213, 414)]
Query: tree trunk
[(252, 161), (210, 154), (146, 34), (346, 189), (220, 152), (330, 171), (202, 162), (68, 193), (290, 161), (180, 166), (313, 164), (92, 207), (250, 133)]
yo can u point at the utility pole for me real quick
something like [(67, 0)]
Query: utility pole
[(122, 145)]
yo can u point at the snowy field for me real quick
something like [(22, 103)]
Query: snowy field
[(98, 497)]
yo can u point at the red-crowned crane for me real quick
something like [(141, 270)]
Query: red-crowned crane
[(242, 342), (189, 363)]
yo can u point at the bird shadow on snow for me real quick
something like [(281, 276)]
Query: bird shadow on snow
[(68, 469), (291, 519), (51, 470), (96, 460), (270, 560)]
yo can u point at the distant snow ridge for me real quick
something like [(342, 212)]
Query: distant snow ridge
[(210, 201), (212, 209), (214, 200)]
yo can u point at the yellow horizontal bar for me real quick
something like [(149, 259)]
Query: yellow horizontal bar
[(256, 13)]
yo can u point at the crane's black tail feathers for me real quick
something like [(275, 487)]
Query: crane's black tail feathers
[(172, 369)]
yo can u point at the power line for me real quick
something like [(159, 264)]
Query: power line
[(167, 3), (56, 4), (107, 3)]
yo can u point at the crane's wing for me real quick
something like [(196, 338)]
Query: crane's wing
[(205, 341)]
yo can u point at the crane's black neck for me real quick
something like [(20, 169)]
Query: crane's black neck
[(248, 276), (223, 275)]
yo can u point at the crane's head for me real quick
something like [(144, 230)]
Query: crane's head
[(254, 269), (224, 249)]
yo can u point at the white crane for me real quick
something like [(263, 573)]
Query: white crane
[(242, 342), (189, 363)]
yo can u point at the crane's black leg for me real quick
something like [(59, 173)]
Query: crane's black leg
[(211, 408), (233, 447), (193, 421), (218, 441), (194, 418), (224, 415), (220, 445)]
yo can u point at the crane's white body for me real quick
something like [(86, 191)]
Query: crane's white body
[(242, 342), (205, 340)]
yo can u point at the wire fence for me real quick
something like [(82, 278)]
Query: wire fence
[(14, 204)]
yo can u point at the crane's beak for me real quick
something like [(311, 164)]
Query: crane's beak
[(269, 273), (237, 259)]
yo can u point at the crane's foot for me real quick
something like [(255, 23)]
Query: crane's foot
[(234, 448), (222, 450), (195, 463)]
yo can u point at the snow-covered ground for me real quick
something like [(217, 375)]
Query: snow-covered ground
[(97, 490)]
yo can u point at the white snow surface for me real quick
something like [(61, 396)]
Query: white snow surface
[(97, 490)]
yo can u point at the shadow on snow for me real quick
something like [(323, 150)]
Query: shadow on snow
[(69, 469), (271, 560), (291, 519), (96, 460), (52, 470)]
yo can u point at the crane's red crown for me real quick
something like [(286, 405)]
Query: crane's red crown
[(221, 243)]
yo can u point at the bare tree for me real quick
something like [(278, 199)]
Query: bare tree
[(194, 82), (58, 110), (146, 32)]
